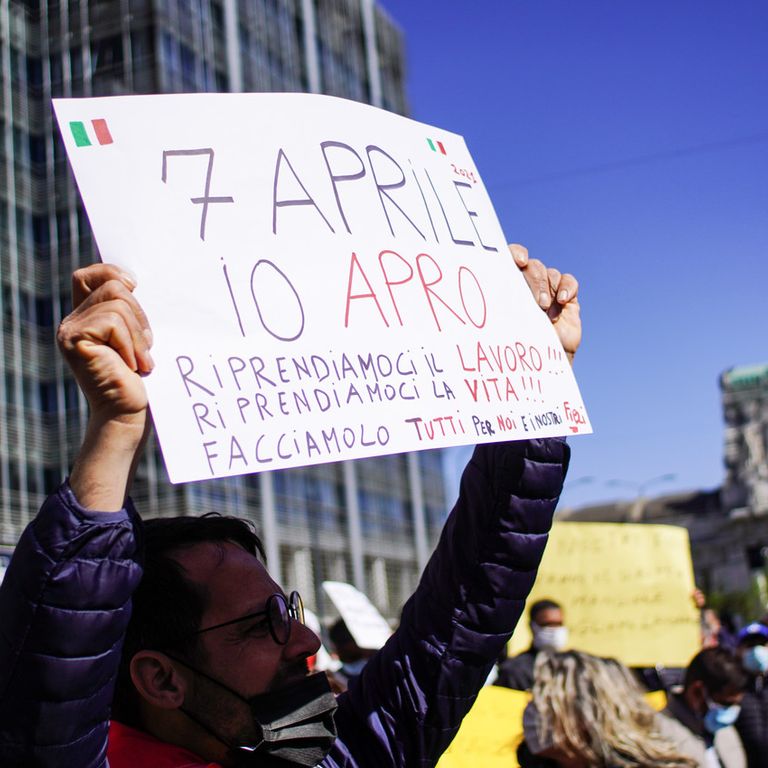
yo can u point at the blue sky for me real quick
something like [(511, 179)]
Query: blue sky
[(625, 141)]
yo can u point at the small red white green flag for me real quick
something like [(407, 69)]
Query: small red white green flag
[(87, 134), (436, 146)]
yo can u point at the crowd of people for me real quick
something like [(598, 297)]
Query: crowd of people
[(588, 711), (166, 643)]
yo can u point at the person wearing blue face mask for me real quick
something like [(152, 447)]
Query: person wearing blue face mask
[(708, 706), (752, 724)]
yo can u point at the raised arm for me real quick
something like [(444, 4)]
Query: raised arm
[(65, 599), (106, 343), (409, 702)]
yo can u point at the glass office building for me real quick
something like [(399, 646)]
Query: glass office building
[(369, 522)]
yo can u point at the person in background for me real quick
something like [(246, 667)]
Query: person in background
[(711, 627), (752, 724), (659, 677), (214, 652), (728, 635), (708, 706), (548, 633), (662, 678), (715, 630), (353, 658), (588, 712)]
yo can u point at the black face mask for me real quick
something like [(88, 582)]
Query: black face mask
[(296, 722), (294, 725)]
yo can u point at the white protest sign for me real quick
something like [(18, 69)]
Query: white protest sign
[(366, 625), (325, 281)]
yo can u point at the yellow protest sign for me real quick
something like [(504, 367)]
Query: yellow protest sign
[(490, 733), (493, 729), (657, 700), (626, 591)]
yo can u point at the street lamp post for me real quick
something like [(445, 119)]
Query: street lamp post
[(636, 510), (569, 486)]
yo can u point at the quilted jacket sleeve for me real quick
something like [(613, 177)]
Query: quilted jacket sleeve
[(406, 707), (64, 607)]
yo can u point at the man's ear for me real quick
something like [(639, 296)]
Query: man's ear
[(695, 696), (157, 680)]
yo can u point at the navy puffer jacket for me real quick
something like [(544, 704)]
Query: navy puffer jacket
[(65, 604)]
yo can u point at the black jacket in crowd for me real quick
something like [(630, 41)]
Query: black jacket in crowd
[(517, 672), (752, 724)]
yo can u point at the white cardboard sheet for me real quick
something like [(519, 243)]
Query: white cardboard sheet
[(366, 625), (325, 281)]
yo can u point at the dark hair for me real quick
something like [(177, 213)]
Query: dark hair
[(167, 607), (543, 605), (339, 634), (717, 668)]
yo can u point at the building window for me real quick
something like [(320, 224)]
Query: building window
[(70, 395), (76, 63), (34, 73), (40, 235), (48, 399), (51, 479), (107, 57), (188, 74), (56, 70), (62, 227), (32, 7), (44, 312), (37, 149)]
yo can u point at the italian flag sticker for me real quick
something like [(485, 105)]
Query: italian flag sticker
[(86, 134), (436, 146)]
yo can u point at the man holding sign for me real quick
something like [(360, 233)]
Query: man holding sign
[(214, 654)]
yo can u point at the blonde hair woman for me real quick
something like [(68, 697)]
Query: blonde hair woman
[(588, 712)]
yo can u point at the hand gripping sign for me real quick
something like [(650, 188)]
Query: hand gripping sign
[(325, 281)]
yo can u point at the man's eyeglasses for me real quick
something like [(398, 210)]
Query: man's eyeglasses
[(280, 613)]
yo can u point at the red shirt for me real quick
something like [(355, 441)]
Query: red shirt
[(129, 748)]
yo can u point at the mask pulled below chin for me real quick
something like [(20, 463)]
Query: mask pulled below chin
[(720, 716), (295, 722)]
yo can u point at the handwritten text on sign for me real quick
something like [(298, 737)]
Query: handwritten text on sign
[(325, 281), (626, 591)]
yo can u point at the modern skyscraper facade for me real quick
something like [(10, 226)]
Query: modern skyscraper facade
[(745, 412), (369, 522)]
